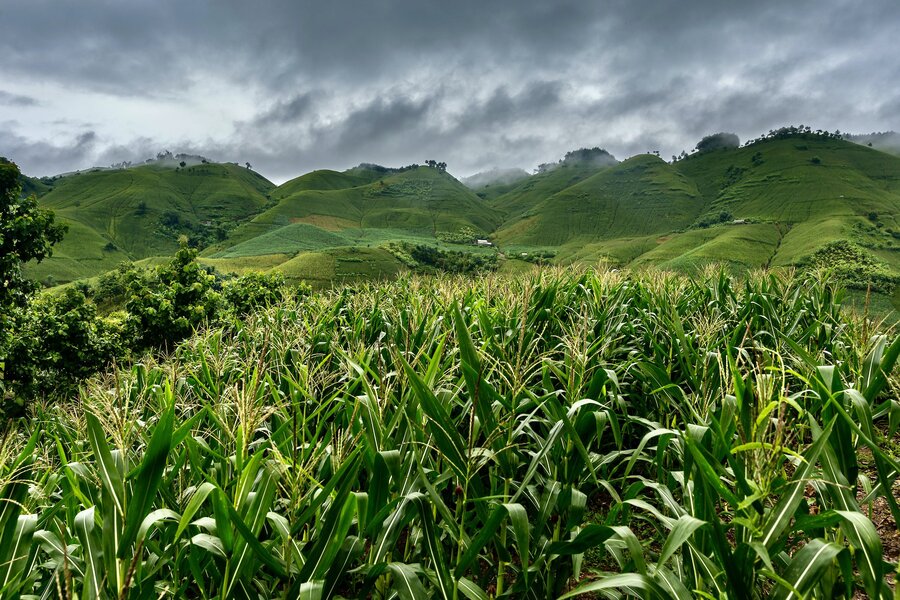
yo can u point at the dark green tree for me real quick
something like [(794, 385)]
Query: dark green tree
[(179, 297), (26, 233)]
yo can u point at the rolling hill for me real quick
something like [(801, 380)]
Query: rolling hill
[(771, 203), (134, 213), (774, 202), (325, 210)]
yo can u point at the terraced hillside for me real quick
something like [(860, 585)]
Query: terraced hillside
[(640, 196), (135, 213)]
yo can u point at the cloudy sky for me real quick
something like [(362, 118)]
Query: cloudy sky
[(294, 85)]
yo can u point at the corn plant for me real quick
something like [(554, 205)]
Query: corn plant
[(562, 434)]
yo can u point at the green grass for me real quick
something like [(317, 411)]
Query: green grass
[(339, 265), (638, 197), (419, 202)]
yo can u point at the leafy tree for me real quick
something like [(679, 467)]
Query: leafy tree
[(60, 342), (168, 305), (26, 233), (258, 290)]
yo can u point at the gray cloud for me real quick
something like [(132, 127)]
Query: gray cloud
[(40, 157), (293, 85), (9, 99)]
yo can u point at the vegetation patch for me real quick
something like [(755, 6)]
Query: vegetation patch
[(854, 266)]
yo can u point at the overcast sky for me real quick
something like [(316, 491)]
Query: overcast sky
[(292, 86)]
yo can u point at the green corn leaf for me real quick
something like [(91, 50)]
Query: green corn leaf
[(91, 552), (14, 567), (153, 519), (640, 586), (780, 516), (311, 590), (591, 536), (53, 546), (249, 525), (148, 477), (442, 429), (681, 532), (210, 543), (435, 549), (193, 505), (406, 582), (330, 537), (471, 590), (672, 584), (110, 476), (864, 416), (878, 368), (807, 568), (867, 549), (486, 533)]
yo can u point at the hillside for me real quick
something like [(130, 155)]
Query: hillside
[(640, 196), (326, 210), (134, 213), (775, 202)]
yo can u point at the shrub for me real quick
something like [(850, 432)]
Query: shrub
[(172, 302)]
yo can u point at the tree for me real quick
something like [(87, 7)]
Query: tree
[(26, 233), (168, 306)]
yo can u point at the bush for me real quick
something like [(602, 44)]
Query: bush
[(172, 302), (61, 341), (251, 292), (853, 266)]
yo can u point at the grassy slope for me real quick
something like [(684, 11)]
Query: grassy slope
[(104, 206), (813, 203), (638, 197), (412, 204), (525, 195), (798, 193)]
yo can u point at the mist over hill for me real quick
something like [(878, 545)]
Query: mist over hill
[(887, 141), (496, 176)]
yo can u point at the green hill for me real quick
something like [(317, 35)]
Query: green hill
[(774, 202), (818, 189), (134, 213), (640, 196), (312, 213)]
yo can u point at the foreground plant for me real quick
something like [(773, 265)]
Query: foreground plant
[(549, 436)]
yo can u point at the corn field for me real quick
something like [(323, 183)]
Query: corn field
[(558, 435)]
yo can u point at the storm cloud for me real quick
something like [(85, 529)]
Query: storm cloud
[(291, 86)]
